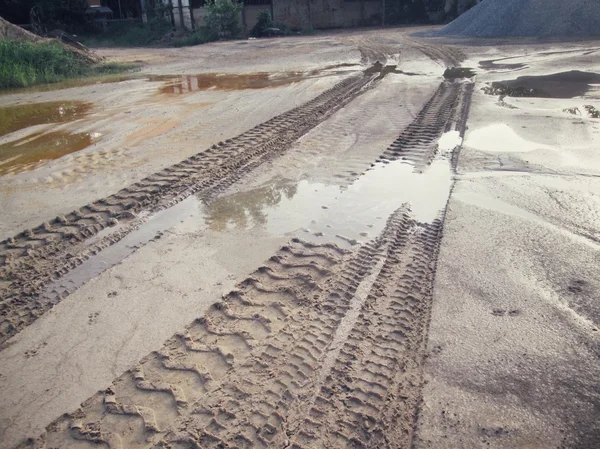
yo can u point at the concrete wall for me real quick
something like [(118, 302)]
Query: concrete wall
[(327, 13), (362, 13), (199, 14), (250, 14), (294, 13)]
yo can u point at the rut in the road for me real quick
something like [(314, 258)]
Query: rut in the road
[(265, 367), (32, 259), (320, 348), (446, 111)]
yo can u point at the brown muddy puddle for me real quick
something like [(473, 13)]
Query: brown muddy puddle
[(14, 118), (224, 81), (36, 149), (562, 85)]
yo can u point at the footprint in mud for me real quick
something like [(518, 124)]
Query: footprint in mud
[(577, 286), (112, 294), (503, 312), (93, 318), (33, 352)]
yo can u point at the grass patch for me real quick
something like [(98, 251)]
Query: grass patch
[(24, 64)]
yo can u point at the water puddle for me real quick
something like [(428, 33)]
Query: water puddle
[(14, 118), (261, 80), (36, 149), (383, 70), (558, 85), (222, 81), (493, 64), (357, 212), (315, 210), (456, 73)]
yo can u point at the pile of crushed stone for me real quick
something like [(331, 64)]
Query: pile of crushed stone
[(528, 18)]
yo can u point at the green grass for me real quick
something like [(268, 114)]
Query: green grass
[(24, 64)]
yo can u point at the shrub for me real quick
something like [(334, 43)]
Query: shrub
[(264, 21), (223, 17)]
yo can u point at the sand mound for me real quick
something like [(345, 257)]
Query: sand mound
[(528, 18), (10, 31)]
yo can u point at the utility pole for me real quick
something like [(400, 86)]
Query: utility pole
[(181, 22)]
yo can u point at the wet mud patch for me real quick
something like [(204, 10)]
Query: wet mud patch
[(14, 118), (456, 73), (492, 64), (225, 81), (558, 85), (34, 150), (383, 70)]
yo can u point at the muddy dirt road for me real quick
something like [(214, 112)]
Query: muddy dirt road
[(291, 243)]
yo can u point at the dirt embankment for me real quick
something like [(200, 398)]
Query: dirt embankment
[(14, 32)]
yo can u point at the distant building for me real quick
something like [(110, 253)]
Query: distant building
[(319, 14)]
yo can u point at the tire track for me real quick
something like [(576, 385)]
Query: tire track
[(264, 368), (33, 258), (370, 397), (320, 347), (300, 291), (418, 142)]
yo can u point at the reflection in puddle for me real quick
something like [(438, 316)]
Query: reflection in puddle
[(558, 85), (227, 81), (248, 209), (282, 206), (286, 207), (34, 150), (192, 83), (357, 213), (14, 118)]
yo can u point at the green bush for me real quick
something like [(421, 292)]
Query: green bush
[(25, 64), (223, 17), (264, 21)]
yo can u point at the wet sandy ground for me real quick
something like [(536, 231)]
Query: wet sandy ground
[(515, 329), (515, 309)]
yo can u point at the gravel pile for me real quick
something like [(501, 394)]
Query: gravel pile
[(528, 18)]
